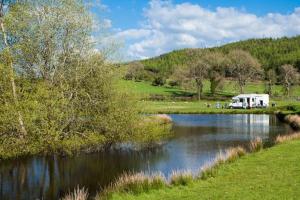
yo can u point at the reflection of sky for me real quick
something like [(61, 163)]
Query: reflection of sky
[(197, 139), (201, 137)]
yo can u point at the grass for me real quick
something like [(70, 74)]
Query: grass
[(145, 89), (181, 178), (272, 173), (194, 107), (78, 194), (155, 99), (256, 145), (284, 138)]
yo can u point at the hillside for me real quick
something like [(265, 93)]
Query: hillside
[(271, 53)]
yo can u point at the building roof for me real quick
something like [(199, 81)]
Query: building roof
[(251, 95)]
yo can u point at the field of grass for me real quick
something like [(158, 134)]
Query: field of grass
[(269, 174), (145, 89), (190, 107)]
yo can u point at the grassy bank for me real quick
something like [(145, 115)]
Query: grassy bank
[(269, 174), (196, 107)]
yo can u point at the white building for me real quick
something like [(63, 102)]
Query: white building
[(250, 101)]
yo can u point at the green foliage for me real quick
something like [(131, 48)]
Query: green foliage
[(65, 92), (158, 81), (271, 53)]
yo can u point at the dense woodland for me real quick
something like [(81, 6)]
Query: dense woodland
[(271, 53)]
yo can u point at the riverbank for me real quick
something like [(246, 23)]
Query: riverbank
[(209, 107), (271, 173)]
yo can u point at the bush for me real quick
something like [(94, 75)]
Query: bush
[(158, 81)]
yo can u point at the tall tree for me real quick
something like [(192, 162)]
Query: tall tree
[(9, 62), (243, 67), (198, 72), (289, 77), (216, 69)]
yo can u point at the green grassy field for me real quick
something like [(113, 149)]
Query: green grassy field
[(270, 174), (169, 104), (145, 89), (191, 107)]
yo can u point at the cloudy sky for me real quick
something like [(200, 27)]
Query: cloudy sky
[(150, 28)]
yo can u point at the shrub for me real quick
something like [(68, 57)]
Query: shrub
[(158, 81), (293, 121)]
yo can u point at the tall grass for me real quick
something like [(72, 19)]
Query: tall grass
[(181, 178), (256, 145), (283, 138), (77, 194), (134, 183), (230, 155)]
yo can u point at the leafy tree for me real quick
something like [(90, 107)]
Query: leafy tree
[(216, 72), (8, 60), (243, 67), (135, 71), (65, 89), (289, 77), (198, 72)]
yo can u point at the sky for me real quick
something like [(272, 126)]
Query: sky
[(149, 28)]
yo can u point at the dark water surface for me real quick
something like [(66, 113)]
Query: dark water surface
[(198, 138)]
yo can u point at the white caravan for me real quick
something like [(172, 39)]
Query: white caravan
[(250, 101)]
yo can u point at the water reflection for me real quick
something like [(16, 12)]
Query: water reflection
[(197, 140)]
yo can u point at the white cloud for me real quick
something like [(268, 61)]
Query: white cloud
[(169, 26)]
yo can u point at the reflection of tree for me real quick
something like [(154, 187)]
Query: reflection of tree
[(50, 177)]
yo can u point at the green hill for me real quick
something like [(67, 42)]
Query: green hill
[(271, 53)]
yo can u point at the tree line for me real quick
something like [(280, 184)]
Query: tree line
[(215, 65)]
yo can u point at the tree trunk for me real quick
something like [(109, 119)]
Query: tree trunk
[(13, 85), (241, 89), (199, 91)]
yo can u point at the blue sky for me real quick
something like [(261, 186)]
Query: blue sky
[(149, 28)]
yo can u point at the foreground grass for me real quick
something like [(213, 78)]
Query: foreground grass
[(194, 107), (269, 174)]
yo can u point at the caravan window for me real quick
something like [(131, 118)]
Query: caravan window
[(241, 100)]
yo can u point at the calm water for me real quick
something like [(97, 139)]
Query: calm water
[(198, 138)]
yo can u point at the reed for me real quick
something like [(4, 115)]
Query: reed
[(134, 183), (181, 178), (77, 194), (256, 145), (230, 155), (283, 138)]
